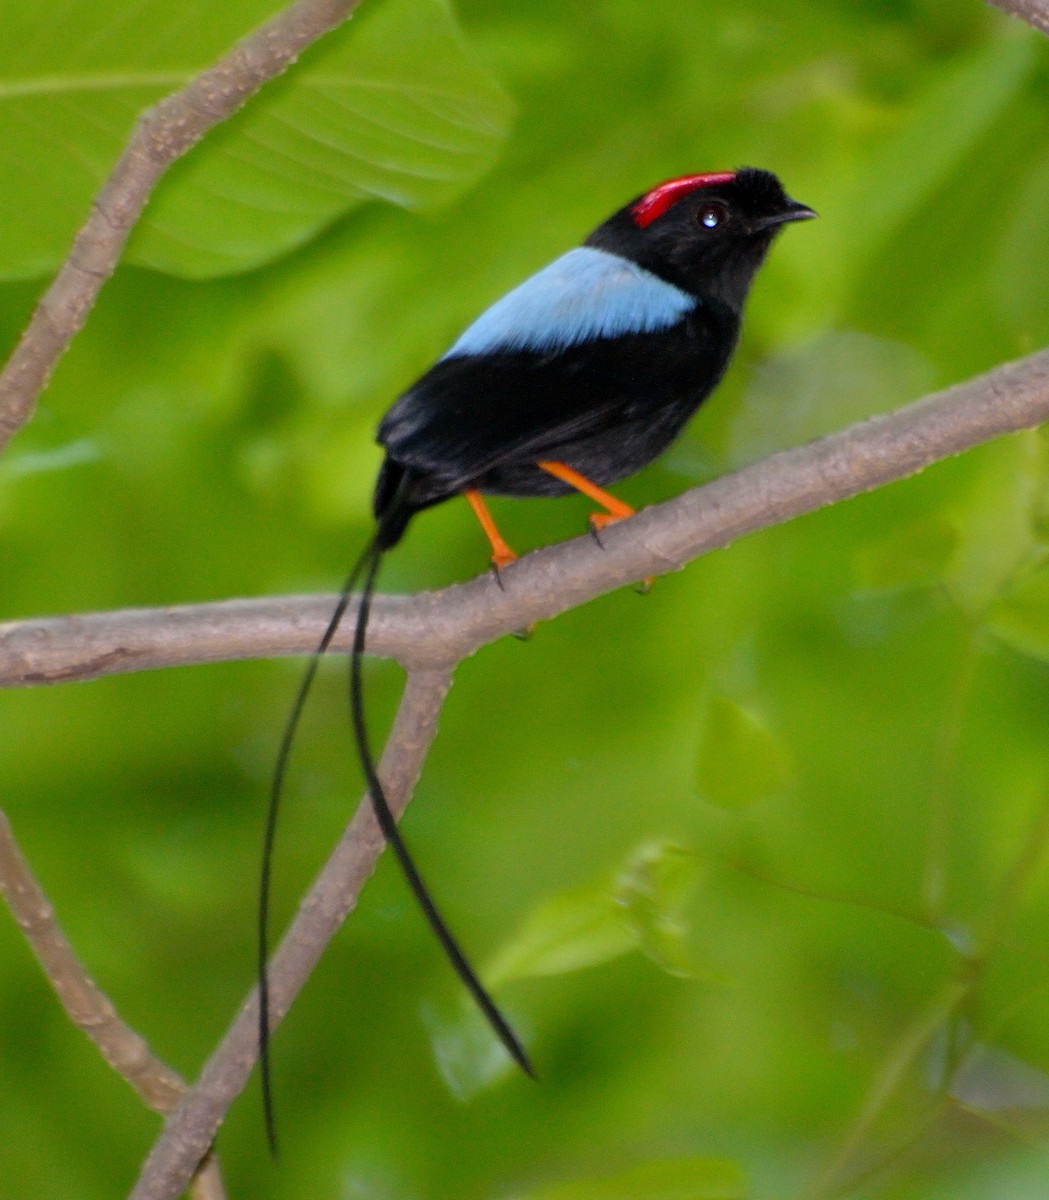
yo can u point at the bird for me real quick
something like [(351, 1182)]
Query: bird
[(574, 380), (588, 370)]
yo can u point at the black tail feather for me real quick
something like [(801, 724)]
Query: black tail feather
[(391, 527), (269, 837), (388, 824)]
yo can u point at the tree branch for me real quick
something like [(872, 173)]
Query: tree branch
[(438, 629), (87, 1007), (162, 135), (192, 1127)]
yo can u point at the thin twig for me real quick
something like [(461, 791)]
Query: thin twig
[(163, 134), (440, 628), (1034, 12), (192, 1127), (159, 1086)]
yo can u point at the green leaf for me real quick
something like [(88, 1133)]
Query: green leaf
[(390, 105), (639, 908), (571, 931), (740, 760), (653, 889), (673, 1179)]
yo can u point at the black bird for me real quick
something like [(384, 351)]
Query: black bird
[(588, 370), (574, 380)]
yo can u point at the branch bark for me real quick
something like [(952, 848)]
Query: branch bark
[(438, 629), (162, 135), (192, 1127)]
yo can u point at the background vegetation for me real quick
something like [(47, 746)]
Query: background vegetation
[(757, 860)]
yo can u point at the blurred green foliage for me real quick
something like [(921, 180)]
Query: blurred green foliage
[(758, 860)]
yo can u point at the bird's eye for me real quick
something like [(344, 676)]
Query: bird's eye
[(710, 216)]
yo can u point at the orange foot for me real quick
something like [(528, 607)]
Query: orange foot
[(602, 520), (615, 509)]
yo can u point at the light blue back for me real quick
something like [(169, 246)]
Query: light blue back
[(583, 295)]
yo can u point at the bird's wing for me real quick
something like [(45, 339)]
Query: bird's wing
[(561, 357), (467, 415)]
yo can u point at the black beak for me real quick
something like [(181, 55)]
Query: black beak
[(793, 212)]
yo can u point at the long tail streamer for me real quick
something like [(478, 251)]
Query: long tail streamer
[(388, 825), (269, 838), (367, 566)]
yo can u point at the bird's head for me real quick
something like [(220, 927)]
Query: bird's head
[(707, 234)]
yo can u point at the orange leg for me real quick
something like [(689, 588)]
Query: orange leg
[(502, 555), (616, 509)]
